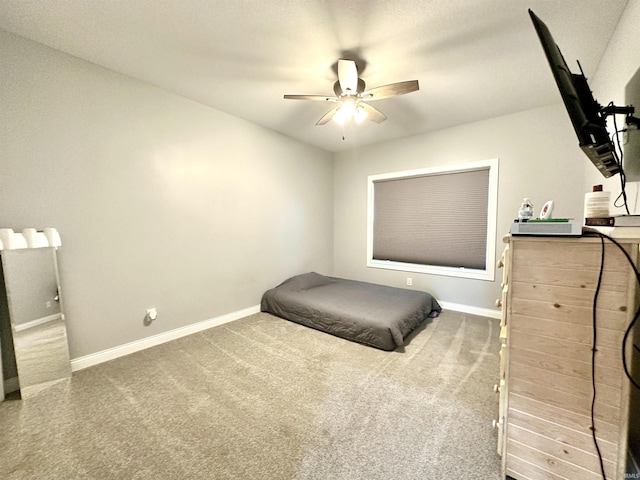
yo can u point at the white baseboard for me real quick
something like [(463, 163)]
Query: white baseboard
[(87, 361), (90, 360), (483, 312)]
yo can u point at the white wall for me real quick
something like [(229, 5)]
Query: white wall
[(160, 201), (539, 159), (164, 202), (619, 63)]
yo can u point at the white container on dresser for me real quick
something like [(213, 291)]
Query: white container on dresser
[(545, 385)]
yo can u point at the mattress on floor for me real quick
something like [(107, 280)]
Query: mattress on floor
[(367, 313)]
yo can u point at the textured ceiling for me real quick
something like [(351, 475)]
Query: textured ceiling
[(474, 59)]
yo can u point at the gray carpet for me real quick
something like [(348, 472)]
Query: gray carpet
[(264, 398)]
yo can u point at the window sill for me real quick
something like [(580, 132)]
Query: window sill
[(460, 272)]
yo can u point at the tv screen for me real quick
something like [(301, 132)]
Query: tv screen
[(584, 111)]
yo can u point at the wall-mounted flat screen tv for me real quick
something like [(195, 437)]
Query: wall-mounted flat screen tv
[(587, 115)]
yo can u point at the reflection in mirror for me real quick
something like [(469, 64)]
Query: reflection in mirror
[(36, 318), (8, 370)]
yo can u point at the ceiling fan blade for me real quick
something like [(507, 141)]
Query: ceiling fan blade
[(319, 98), (328, 116), (337, 89), (348, 76), (391, 90), (373, 113)]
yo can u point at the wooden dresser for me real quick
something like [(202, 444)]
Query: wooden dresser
[(545, 383)]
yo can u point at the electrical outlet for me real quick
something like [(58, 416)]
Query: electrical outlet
[(409, 281), (151, 315)]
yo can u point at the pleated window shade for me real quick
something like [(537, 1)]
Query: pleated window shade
[(438, 219)]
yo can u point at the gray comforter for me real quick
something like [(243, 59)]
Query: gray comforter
[(367, 313)]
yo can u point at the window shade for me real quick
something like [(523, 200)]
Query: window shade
[(438, 219)]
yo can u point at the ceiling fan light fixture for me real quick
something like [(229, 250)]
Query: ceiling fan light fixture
[(360, 115), (349, 106), (340, 117), (352, 98), (346, 111)]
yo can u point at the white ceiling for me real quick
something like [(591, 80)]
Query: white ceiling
[(474, 59)]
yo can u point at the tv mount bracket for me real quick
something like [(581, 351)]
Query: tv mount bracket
[(627, 110)]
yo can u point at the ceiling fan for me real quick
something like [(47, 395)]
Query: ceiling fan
[(352, 98)]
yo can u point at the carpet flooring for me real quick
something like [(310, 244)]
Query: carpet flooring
[(264, 398)]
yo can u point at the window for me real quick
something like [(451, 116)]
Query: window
[(436, 220)]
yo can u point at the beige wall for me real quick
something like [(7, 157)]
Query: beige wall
[(160, 201)]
